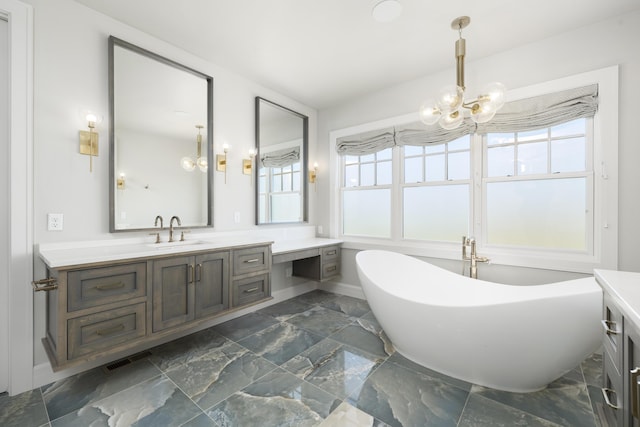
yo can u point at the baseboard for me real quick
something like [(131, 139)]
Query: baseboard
[(43, 374), (343, 289)]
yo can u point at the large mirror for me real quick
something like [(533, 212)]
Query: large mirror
[(281, 177), (161, 140)]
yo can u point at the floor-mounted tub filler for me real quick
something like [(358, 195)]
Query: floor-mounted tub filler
[(513, 338)]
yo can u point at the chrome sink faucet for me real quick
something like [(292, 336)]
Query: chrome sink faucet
[(470, 242), (177, 219)]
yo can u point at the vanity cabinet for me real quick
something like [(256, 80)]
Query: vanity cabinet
[(621, 348), (189, 287), (118, 307), (322, 263), (251, 278)]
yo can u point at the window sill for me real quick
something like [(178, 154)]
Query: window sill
[(575, 263)]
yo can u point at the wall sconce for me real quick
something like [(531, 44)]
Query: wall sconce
[(120, 182), (313, 173), (221, 161), (247, 164), (89, 139)]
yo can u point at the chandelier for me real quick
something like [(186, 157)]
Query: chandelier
[(188, 163), (449, 107)]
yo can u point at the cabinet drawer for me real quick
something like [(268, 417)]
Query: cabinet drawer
[(105, 330), (249, 290), (250, 260), (98, 286), (613, 332), (612, 391), (330, 253), (330, 269)]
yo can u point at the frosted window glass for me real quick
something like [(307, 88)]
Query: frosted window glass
[(434, 166), (459, 166), (285, 207), (575, 127), (367, 174), (412, 150), (568, 155), (540, 213), (384, 173), (351, 178), (439, 213), (367, 212), (500, 138), (532, 158), (500, 161), (413, 170), (384, 154)]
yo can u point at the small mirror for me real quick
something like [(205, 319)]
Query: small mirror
[(281, 178), (161, 140)]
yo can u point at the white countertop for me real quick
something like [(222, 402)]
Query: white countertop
[(86, 253), (282, 247), (624, 288), (73, 254)]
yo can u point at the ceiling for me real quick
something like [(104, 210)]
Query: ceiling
[(325, 52)]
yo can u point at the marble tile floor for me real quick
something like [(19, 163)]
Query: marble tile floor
[(319, 359)]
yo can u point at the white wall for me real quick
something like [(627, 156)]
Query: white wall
[(589, 48), (4, 211), (71, 75)]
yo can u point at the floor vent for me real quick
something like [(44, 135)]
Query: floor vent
[(124, 362)]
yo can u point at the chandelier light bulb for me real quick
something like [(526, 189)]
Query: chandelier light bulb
[(429, 112), (450, 98), (202, 163), (188, 164), (496, 93), (451, 120), (483, 113)]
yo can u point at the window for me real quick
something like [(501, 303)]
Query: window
[(537, 187), (435, 191), (366, 195), (543, 198), (279, 193)]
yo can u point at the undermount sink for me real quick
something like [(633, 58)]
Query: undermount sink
[(176, 244)]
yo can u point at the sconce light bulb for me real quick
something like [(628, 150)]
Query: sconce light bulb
[(252, 152), (225, 147), (315, 166)]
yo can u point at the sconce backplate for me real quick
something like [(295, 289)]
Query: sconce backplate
[(89, 146), (246, 166), (221, 162)]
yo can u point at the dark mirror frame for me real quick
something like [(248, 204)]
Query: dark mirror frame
[(113, 42), (304, 167)]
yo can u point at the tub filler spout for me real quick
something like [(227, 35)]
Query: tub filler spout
[(473, 258)]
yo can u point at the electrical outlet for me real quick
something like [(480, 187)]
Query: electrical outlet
[(236, 217), (54, 222), (288, 272), (320, 230)]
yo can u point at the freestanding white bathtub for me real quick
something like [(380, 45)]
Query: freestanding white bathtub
[(514, 338)]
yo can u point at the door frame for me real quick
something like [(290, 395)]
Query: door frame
[(19, 301)]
